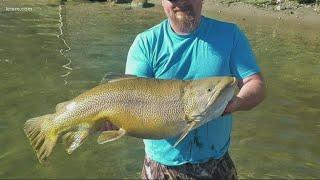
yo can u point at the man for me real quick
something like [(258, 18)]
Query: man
[(188, 45)]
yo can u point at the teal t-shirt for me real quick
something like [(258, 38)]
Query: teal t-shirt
[(215, 48)]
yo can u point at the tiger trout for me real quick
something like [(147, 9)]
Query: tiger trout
[(140, 107)]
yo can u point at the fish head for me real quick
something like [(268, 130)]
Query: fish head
[(206, 99)]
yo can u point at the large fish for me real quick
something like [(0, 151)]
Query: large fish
[(140, 107)]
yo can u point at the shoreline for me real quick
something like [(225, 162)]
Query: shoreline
[(302, 17)]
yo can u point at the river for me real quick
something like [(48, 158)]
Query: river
[(50, 53)]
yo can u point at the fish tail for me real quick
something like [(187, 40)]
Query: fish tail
[(39, 132)]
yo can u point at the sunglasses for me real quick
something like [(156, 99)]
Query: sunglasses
[(173, 1)]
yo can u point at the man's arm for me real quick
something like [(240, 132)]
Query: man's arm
[(252, 92)]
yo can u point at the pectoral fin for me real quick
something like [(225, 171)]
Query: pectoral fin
[(107, 136), (186, 132), (73, 140)]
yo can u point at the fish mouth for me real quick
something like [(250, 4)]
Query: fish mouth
[(220, 92), (221, 97), (197, 117), (234, 82)]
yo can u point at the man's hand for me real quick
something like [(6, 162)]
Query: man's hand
[(232, 106), (252, 92)]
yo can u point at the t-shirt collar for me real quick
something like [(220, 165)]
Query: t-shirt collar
[(193, 33)]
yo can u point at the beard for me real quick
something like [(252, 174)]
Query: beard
[(185, 19)]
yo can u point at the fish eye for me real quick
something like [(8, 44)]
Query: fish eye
[(209, 89)]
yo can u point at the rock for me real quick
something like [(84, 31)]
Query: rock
[(139, 3), (280, 7)]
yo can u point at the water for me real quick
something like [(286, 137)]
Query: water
[(40, 66)]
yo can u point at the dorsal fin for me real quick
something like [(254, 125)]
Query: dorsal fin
[(112, 77), (60, 106)]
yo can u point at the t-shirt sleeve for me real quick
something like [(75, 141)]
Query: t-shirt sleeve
[(242, 60), (138, 61)]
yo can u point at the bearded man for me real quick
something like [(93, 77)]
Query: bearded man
[(188, 45)]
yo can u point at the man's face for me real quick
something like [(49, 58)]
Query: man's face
[(184, 14)]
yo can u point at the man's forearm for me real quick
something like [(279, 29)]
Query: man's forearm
[(251, 93)]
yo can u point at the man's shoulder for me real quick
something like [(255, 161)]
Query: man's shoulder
[(214, 23), (154, 31)]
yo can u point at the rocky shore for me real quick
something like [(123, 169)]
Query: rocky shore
[(293, 14), (278, 5)]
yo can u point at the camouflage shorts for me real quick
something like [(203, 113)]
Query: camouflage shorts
[(222, 168)]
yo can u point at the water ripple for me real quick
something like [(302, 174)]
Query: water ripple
[(67, 49)]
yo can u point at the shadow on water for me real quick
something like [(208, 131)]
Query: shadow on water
[(279, 139)]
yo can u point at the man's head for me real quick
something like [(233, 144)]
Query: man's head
[(183, 14)]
